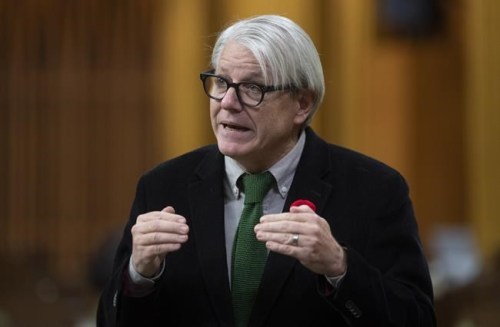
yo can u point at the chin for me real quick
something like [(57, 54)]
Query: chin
[(231, 150)]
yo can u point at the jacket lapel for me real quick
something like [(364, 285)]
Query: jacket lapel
[(308, 184), (207, 215)]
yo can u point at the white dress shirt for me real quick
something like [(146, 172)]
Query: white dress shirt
[(283, 172)]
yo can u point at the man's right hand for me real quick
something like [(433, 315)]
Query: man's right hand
[(154, 235)]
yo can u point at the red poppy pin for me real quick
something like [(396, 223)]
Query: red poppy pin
[(300, 202)]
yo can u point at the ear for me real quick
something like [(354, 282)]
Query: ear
[(305, 100)]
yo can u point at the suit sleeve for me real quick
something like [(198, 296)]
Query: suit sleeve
[(115, 308), (387, 281)]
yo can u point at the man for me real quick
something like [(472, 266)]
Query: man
[(348, 254)]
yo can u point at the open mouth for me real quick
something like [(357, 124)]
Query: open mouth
[(234, 127)]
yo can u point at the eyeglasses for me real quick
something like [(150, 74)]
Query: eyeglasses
[(248, 93)]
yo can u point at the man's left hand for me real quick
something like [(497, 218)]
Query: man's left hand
[(304, 235)]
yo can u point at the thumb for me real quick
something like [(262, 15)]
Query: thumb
[(302, 208), (168, 209)]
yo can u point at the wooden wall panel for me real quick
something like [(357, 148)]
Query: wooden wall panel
[(77, 125), (483, 123), (183, 48)]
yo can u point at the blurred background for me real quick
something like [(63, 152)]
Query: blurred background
[(95, 92)]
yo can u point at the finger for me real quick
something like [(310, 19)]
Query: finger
[(168, 209), (160, 250), (282, 238), (301, 208), (283, 226), (287, 216), (285, 249), (165, 214), (160, 226), (160, 238)]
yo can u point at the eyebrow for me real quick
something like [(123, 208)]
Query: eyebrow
[(254, 77)]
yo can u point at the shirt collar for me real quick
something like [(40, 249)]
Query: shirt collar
[(283, 171)]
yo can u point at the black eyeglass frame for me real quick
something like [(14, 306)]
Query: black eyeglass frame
[(264, 88)]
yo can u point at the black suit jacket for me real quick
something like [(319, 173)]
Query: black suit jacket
[(369, 211)]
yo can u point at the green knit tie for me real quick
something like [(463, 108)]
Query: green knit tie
[(249, 255)]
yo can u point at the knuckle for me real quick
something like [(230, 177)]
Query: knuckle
[(286, 239), (151, 227), (288, 250), (316, 230), (142, 217), (282, 227)]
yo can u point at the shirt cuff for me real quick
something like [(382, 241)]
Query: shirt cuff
[(337, 280), (139, 279), (138, 284)]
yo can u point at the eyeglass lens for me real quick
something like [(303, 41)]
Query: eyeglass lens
[(248, 93)]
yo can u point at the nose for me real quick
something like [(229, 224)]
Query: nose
[(230, 101)]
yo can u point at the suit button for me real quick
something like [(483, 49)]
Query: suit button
[(353, 309), (115, 299)]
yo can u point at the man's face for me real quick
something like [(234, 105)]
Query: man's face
[(256, 137)]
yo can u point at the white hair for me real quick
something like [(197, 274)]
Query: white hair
[(285, 52)]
